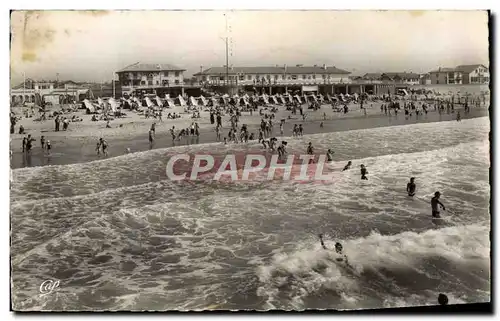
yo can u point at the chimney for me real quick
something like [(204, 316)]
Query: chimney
[(324, 66)]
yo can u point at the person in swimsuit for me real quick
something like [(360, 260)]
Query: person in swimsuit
[(434, 205), (104, 145), (411, 187), (151, 137), (348, 166), (49, 147), (338, 249), (363, 172), (329, 155)]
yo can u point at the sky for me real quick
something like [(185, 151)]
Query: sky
[(92, 45)]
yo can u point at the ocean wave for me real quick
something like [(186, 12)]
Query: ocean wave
[(379, 266)]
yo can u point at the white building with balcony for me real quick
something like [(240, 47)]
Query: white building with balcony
[(273, 76), (141, 76)]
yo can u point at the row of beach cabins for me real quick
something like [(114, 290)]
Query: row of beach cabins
[(151, 101)]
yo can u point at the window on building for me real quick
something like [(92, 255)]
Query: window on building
[(314, 76), (242, 77), (150, 83), (294, 77), (324, 76), (177, 81), (143, 82), (486, 79), (473, 79), (177, 73), (304, 77), (268, 77), (275, 77), (249, 77), (157, 82)]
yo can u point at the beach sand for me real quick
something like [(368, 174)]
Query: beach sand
[(78, 143)]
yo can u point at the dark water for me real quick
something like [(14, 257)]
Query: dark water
[(119, 235)]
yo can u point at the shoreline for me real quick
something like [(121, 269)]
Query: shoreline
[(73, 151)]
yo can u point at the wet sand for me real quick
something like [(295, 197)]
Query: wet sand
[(76, 152)]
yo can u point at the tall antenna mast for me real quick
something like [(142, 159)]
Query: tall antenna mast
[(227, 54)]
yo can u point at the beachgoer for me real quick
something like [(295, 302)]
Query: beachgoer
[(42, 142), (49, 147), (104, 146), (310, 149), (434, 205), (348, 166), (363, 172), (329, 155), (442, 299), (411, 187), (151, 137), (25, 141)]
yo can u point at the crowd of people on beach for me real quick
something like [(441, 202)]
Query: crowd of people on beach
[(237, 133)]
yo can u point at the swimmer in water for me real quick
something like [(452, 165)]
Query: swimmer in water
[(363, 172), (348, 166), (434, 205), (329, 155), (338, 249), (411, 187)]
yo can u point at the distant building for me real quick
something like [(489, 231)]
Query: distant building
[(425, 79), (53, 91), (298, 75), (141, 76), (445, 76), (374, 78), (464, 74), (474, 74), (408, 78)]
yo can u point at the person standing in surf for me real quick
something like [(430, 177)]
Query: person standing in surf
[(434, 205), (151, 137), (363, 172), (329, 155), (411, 187)]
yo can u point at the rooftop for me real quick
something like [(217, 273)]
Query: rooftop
[(151, 67), (273, 70), (468, 68)]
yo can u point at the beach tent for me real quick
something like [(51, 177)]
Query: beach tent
[(192, 101), (298, 98), (264, 98), (273, 100), (224, 99), (312, 98), (169, 102), (243, 101), (113, 104), (90, 108), (212, 102), (321, 98), (202, 100), (180, 101), (158, 101), (148, 101), (167, 96)]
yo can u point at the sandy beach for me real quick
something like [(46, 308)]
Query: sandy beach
[(77, 144)]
